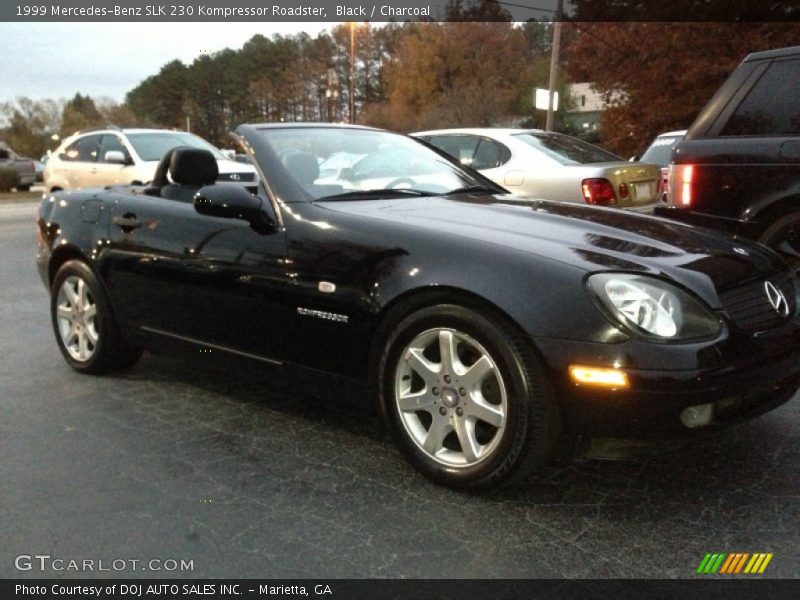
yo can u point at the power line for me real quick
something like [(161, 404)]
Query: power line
[(573, 23), (628, 54), (536, 8)]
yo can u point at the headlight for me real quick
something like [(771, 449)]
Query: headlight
[(653, 307)]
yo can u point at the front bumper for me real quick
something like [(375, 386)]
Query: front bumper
[(741, 385)]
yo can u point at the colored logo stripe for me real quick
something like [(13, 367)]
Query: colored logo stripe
[(758, 563), (710, 563), (734, 563)]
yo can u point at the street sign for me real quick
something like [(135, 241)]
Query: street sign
[(541, 98)]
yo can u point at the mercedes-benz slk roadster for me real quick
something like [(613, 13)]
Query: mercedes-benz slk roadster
[(488, 325)]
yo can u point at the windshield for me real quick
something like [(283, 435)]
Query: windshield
[(660, 151), (565, 149), (337, 161), (153, 146)]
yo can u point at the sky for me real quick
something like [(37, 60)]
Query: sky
[(58, 60)]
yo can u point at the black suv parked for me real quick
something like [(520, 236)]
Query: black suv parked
[(738, 168)]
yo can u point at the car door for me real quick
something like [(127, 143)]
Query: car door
[(491, 158), (78, 161), (110, 172), (176, 273), (482, 154), (753, 150), (460, 146)]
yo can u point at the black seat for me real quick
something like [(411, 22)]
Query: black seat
[(190, 169)]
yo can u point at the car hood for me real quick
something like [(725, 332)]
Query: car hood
[(588, 238)]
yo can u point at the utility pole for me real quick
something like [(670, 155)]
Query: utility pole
[(353, 71), (554, 55)]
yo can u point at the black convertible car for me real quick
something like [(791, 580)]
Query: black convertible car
[(489, 325)]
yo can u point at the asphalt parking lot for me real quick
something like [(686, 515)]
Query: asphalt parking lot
[(250, 472)]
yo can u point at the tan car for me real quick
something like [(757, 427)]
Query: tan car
[(550, 165)]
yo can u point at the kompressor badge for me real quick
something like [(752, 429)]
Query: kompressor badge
[(321, 314)]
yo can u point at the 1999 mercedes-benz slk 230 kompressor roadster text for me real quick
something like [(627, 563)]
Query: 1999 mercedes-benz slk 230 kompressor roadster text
[(489, 325)]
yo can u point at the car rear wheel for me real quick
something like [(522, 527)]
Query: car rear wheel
[(86, 331), (466, 398), (783, 236)]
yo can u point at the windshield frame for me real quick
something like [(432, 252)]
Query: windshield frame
[(284, 189)]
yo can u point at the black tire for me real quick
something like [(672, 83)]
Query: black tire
[(783, 236), (102, 347), (531, 429), (23, 188)]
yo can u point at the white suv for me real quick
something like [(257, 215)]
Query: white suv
[(112, 156)]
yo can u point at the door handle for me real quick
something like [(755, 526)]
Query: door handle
[(127, 222)]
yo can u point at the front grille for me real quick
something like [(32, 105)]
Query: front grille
[(749, 307), (236, 177)]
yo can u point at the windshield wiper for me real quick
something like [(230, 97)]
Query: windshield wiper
[(369, 194), (474, 188)]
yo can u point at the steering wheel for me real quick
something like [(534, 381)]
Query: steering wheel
[(399, 183)]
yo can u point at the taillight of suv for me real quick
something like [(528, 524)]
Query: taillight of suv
[(679, 190)]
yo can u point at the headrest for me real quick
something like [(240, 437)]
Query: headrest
[(302, 166), (193, 166)]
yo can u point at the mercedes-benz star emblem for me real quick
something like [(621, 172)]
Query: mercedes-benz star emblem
[(776, 299)]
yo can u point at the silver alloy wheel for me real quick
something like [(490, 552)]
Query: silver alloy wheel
[(451, 397), (76, 315)]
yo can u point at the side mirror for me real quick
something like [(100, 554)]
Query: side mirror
[(115, 157), (230, 201)]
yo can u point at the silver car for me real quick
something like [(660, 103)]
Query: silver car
[(550, 165)]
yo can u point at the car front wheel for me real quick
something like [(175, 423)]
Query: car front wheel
[(86, 331), (466, 398)]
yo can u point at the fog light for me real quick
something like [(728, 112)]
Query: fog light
[(611, 378), (697, 416)]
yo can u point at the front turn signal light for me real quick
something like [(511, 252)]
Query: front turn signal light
[(600, 377)]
